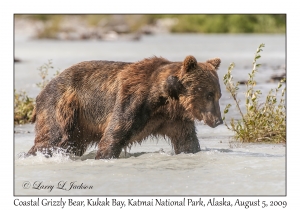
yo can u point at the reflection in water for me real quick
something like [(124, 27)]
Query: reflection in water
[(152, 168)]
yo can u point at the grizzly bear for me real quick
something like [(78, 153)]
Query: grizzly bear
[(116, 104)]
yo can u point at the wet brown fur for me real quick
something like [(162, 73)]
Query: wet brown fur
[(116, 104)]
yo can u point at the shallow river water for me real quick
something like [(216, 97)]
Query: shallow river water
[(223, 167)]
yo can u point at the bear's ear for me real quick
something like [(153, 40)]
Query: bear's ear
[(215, 62), (189, 64), (173, 87)]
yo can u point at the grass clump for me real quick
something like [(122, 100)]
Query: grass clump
[(262, 122), (23, 107), (43, 72), (23, 104)]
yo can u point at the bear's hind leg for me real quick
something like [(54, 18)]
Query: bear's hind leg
[(67, 118), (109, 148), (45, 134)]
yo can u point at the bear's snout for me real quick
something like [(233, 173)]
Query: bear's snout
[(218, 122), (212, 121)]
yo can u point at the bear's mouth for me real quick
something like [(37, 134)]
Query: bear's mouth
[(211, 122)]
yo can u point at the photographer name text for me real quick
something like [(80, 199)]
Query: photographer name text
[(62, 185)]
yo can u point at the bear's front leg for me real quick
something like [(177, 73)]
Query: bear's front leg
[(183, 136), (187, 144)]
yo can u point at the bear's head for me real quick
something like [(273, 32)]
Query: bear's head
[(198, 89)]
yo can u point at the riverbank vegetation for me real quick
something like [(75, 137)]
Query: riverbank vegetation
[(23, 104), (236, 23), (97, 26), (262, 122), (23, 107)]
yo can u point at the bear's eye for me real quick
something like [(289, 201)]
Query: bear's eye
[(210, 95)]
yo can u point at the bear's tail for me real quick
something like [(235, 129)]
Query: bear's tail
[(33, 116)]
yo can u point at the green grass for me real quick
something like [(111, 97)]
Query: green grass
[(262, 121), (23, 107), (230, 23), (23, 104), (196, 23)]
